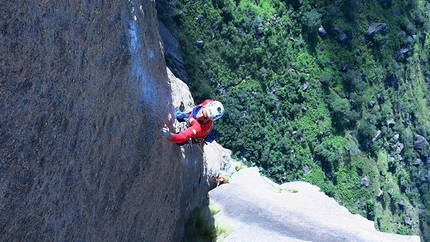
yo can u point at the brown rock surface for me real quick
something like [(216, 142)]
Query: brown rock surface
[(84, 91)]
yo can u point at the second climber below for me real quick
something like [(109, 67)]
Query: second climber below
[(200, 122)]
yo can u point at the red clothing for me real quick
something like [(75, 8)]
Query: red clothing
[(196, 129)]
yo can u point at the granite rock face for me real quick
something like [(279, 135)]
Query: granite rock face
[(84, 92), (256, 209), (170, 38)]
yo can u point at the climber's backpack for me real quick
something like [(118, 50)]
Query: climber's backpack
[(212, 135)]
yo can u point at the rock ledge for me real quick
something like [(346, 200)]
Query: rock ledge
[(260, 210)]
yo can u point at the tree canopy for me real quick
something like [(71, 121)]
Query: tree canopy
[(328, 108)]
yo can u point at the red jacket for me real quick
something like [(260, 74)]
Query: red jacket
[(196, 129)]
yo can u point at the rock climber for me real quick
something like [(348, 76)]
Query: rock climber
[(200, 121)]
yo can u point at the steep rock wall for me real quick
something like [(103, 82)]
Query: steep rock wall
[(170, 38), (84, 91)]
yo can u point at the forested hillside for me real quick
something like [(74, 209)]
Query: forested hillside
[(329, 92)]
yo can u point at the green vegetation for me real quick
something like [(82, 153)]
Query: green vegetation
[(237, 166), (340, 110), (214, 209), (281, 189), (201, 225), (223, 230)]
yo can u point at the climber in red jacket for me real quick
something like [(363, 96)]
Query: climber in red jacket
[(200, 122)]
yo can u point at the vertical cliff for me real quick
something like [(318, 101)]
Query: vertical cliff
[(84, 91)]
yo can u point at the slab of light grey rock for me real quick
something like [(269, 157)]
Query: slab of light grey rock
[(259, 210)]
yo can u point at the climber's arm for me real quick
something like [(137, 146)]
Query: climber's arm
[(188, 133), (165, 132)]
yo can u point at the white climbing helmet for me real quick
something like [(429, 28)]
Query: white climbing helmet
[(215, 109)]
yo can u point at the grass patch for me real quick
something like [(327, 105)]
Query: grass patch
[(214, 209), (239, 166), (223, 230), (201, 225), (260, 7), (292, 190)]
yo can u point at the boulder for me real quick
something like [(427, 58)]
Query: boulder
[(330, 173), (407, 221), (397, 11), (260, 29), (421, 145), (358, 51), (400, 147), (344, 37), (365, 181), (409, 117), (305, 85), (391, 122), (417, 162), (393, 81), (426, 176), (381, 98), (378, 135), (199, 43), (344, 68), (391, 191), (396, 137), (377, 28), (411, 30), (403, 53), (306, 169), (322, 31)]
